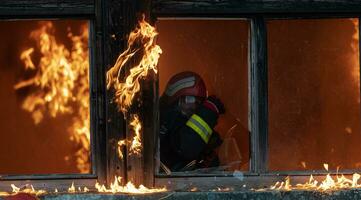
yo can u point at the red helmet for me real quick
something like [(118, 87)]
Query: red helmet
[(185, 84)]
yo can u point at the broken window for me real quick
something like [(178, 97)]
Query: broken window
[(314, 94), (44, 95), (217, 51)]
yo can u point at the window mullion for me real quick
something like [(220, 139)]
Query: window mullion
[(258, 90)]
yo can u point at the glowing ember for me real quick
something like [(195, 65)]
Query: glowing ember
[(62, 85), (116, 187)]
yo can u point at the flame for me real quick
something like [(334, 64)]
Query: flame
[(71, 188), (26, 57), (62, 85), (325, 166), (328, 183), (140, 42), (135, 145), (116, 187), (121, 143), (15, 189), (303, 163), (26, 189)]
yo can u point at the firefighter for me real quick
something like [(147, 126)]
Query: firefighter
[(187, 120)]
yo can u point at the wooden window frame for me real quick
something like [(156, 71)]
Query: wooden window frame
[(258, 12)]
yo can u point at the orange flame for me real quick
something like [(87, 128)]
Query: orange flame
[(62, 85), (121, 143), (71, 189), (141, 41), (135, 145), (328, 183), (26, 189), (116, 187)]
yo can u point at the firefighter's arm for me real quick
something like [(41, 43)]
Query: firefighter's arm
[(194, 136)]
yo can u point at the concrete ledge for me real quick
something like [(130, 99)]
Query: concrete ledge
[(251, 195)]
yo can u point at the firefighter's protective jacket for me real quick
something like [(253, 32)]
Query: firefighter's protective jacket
[(184, 139)]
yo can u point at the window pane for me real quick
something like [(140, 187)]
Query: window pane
[(314, 94), (44, 97), (217, 50)]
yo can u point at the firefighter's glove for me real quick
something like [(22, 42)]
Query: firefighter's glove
[(215, 104)]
